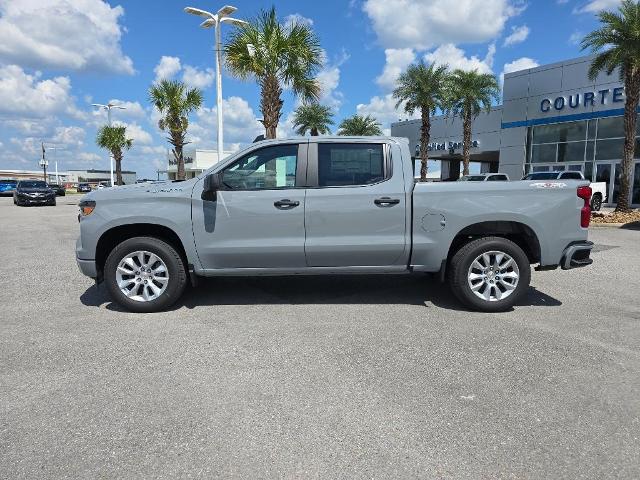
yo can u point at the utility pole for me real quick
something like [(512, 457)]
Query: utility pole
[(43, 164)]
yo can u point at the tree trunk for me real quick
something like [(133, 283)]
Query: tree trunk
[(271, 105), (177, 140), (632, 91), (466, 141), (425, 134), (314, 132), (117, 156)]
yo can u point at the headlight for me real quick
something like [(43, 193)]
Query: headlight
[(87, 207)]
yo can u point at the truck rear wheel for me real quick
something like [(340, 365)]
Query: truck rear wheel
[(145, 274), (596, 202), (489, 274)]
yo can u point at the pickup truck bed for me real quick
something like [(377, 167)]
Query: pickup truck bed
[(328, 205)]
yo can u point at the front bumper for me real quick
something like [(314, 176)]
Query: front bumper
[(87, 267), (36, 200), (576, 255)]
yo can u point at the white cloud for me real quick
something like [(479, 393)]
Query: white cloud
[(449, 54), (397, 60), (296, 18), (522, 63), (383, 109), (329, 79), (74, 35), (518, 35), (576, 37), (594, 6), (69, 136), (423, 24), (240, 124), (167, 67), (136, 133), (194, 77), (30, 96)]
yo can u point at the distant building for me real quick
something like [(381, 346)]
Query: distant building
[(33, 175), (99, 176), (195, 162)]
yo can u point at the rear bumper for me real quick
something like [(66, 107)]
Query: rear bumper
[(577, 255)]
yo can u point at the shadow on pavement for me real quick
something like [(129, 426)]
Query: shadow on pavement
[(329, 290), (631, 226)]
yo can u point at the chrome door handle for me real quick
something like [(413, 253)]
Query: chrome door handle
[(286, 204), (386, 201)]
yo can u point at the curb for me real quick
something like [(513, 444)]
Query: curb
[(607, 225)]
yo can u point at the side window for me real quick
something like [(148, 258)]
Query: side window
[(267, 168), (571, 176), (341, 164)]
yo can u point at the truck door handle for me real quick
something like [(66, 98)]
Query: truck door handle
[(386, 201), (286, 204)]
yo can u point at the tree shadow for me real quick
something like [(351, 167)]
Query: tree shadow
[(631, 226), (419, 290)]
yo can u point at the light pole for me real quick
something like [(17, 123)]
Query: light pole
[(214, 20), (108, 108), (56, 148)]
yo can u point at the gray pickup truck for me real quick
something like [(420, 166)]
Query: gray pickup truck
[(329, 205)]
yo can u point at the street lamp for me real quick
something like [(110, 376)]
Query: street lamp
[(108, 108), (56, 148), (214, 20)]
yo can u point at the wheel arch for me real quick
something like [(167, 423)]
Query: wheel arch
[(118, 234), (519, 233)]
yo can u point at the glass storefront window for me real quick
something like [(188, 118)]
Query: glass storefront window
[(591, 147), (588, 171), (592, 129), (609, 149), (575, 168), (560, 132), (616, 183), (571, 152), (540, 169), (543, 153), (603, 174), (612, 127), (635, 189)]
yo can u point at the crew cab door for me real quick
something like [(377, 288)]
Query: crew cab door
[(257, 219), (355, 211)]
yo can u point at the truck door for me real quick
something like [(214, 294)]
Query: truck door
[(355, 211), (257, 219)]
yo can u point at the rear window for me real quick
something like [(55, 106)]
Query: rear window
[(341, 164), (472, 178), (571, 176), (542, 176)]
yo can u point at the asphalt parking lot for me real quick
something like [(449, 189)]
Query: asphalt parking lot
[(328, 377)]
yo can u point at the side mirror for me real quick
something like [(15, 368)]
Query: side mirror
[(212, 183)]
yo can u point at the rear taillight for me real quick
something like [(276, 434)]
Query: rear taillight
[(584, 193)]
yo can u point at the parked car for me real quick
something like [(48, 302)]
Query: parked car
[(485, 177), (7, 187), (83, 187), (33, 192), (327, 205), (599, 189), (58, 189)]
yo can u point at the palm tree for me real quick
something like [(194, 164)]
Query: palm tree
[(422, 87), (276, 56), (314, 118), (617, 44), (175, 102), (468, 94), (115, 140), (359, 125)]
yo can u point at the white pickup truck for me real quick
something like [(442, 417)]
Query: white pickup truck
[(599, 189)]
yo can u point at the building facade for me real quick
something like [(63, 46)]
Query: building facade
[(195, 162), (552, 118), (94, 177)]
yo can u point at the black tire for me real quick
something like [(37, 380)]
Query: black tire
[(52, 203), (175, 267), (459, 269), (596, 202)]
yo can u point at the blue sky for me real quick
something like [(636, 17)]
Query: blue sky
[(59, 56)]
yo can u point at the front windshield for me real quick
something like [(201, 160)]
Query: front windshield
[(33, 184), (542, 176)]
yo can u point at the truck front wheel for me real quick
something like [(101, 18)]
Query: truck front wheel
[(489, 274), (145, 274)]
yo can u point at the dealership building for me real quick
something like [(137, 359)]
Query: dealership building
[(552, 118)]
